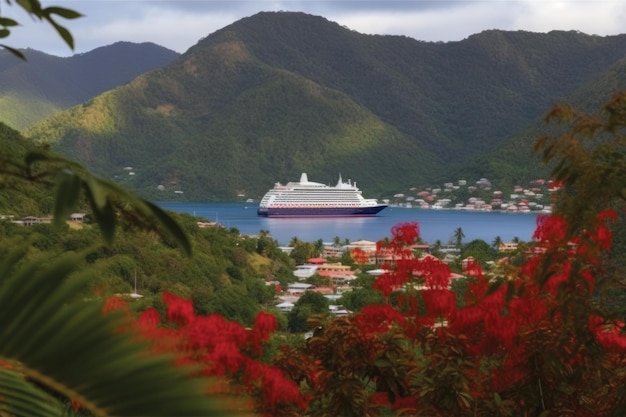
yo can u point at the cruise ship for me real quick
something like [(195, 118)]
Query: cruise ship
[(312, 199)]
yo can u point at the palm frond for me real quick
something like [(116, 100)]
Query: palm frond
[(22, 397), (50, 336)]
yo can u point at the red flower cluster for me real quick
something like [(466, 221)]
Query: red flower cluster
[(378, 318), (223, 349), (610, 334)]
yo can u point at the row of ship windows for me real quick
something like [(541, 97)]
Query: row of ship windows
[(319, 197), (300, 202), (318, 192), (312, 200), (315, 205)]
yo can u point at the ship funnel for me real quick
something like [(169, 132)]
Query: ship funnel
[(304, 178), (340, 182)]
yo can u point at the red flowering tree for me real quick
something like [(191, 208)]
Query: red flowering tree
[(533, 342), (225, 352)]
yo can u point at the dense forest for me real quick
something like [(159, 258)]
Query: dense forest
[(277, 94)]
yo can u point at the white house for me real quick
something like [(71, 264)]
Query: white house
[(285, 306), (299, 288), (305, 271)]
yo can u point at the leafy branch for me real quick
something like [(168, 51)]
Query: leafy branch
[(47, 14), (52, 338), (110, 204)]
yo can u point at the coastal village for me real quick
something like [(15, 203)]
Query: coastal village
[(481, 196), (337, 279)]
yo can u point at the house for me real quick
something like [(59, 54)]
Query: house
[(298, 288), (316, 261), (285, 306), (32, 220), (286, 249), (333, 251), (507, 247), (78, 217), (204, 225), (336, 272), (326, 290), (305, 271), (338, 311)]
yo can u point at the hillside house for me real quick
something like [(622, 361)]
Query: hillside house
[(336, 272), (78, 217), (285, 306), (32, 220), (305, 271), (333, 251), (298, 288)]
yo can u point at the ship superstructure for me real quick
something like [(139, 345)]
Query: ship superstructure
[(311, 199)]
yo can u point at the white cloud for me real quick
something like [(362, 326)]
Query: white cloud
[(462, 20), (173, 29), (592, 17), (179, 24), (450, 24)]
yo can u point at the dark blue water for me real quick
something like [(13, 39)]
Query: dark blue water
[(434, 224)]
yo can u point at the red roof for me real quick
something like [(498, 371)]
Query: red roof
[(317, 261)]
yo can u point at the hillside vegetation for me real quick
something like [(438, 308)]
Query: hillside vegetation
[(14, 199), (226, 273), (277, 94), (45, 84)]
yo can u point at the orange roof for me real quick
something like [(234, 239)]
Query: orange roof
[(323, 290)]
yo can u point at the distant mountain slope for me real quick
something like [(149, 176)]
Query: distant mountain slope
[(484, 87), (277, 94), (514, 158), (46, 84)]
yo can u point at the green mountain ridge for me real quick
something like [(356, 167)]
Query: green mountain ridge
[(44, 84), (281, 93)]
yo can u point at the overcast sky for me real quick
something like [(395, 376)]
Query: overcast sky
[(179, 24)]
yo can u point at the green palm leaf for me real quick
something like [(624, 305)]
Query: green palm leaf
[(108, 200), (25, 399), (50, 336)]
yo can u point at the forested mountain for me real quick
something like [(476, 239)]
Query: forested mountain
[(45, 84), (281, 93)]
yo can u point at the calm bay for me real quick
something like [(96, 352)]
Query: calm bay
[(434, 224)]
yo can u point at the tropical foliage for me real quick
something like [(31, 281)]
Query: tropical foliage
[(49, 15), (58, 348), (536, 341)]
